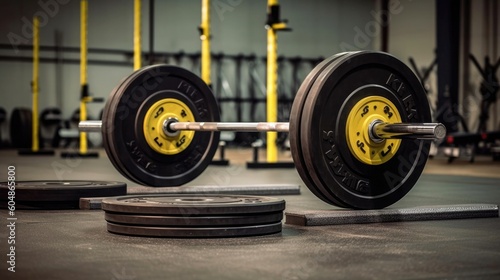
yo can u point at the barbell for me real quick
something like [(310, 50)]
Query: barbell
[(377, 130), (359, 128)]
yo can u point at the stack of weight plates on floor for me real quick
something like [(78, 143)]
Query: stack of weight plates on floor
[(55, 195), (193, 215)]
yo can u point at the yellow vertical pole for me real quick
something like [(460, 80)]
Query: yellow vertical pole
[(205, 41), (272, 85), (36, 64), (83, 71), (137, 34)]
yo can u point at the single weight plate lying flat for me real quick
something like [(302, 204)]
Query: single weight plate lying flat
[(195, 232), (192, 205), (43, 205), (58, 194), (195, 221), (63, 190), (133, 122)]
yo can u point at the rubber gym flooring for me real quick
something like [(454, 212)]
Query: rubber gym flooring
[(74, 244)]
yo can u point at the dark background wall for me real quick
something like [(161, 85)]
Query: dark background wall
[(320, 28)]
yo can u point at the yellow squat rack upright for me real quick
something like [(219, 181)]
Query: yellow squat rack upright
[(273, 25), (35, 145), (84, 87)]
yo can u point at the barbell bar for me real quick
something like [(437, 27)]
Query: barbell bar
[(378, 130)]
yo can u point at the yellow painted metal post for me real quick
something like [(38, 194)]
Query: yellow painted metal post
[(83, 71), (205, 41), (272, 84), (137, 34), (35, 89)]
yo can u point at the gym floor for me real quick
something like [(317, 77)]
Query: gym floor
[(74, 244)]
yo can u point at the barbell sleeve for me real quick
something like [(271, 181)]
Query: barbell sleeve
[(90, 126), (382, 130), (379, 130)]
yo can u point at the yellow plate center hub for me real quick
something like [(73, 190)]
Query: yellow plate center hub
[(157, 115), (364, 113)]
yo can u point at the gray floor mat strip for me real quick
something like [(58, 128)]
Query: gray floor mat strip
[(268, 189), (423, 213)]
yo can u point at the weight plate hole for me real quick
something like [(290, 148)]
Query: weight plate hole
[(166, 127)]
